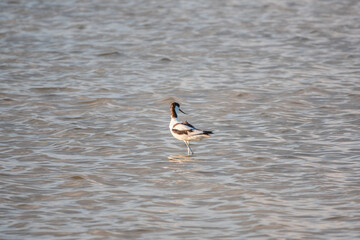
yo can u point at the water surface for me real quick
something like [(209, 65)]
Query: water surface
[(85, 89)]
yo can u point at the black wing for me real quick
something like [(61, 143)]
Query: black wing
[(188, 124)]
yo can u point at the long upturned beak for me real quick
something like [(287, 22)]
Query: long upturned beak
[(182, 111)]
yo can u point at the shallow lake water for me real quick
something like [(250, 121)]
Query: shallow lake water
[(85, 90)]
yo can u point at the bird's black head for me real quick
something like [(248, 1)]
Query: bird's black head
[(175, 104), (173, 107)]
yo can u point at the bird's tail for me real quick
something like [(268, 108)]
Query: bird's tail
[(207, 132)]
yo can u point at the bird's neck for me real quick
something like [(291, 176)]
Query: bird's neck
[(173, 112), (173, 122)]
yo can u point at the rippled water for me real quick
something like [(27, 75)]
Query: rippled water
[(85, 148)]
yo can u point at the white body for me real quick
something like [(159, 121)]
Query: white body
[(184, 131), (195, 135)]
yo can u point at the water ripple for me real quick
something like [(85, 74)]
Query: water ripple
[(85, 146)]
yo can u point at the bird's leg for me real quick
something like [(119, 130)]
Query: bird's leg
[(190, 152), (187, 145)]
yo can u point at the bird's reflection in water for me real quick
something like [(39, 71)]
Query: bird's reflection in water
[(181, 158)]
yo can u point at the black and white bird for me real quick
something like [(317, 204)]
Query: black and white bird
[(184, 131)]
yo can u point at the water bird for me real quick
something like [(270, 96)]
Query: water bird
[(184, 131)]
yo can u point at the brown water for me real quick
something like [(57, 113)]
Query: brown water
[(86, 152)]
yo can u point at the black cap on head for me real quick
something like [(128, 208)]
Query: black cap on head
[(172, 109), (175, 104)]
